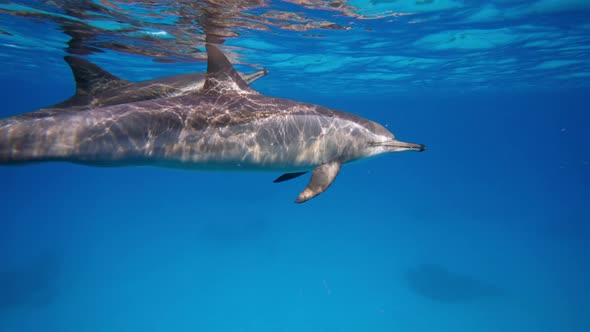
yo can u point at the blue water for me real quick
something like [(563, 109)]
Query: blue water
[(487, 230)]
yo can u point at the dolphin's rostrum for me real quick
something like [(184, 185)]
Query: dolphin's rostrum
[(226, 126)]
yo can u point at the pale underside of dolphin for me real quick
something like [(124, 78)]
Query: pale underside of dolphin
[(96, 87), (226, 126)]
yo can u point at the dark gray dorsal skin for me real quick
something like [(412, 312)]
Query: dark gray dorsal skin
[(226, 126), (96, 87)]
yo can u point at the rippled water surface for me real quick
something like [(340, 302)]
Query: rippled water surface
[(361, 46)]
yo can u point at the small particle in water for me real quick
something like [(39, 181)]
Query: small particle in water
[(562, 130), (326, 287)]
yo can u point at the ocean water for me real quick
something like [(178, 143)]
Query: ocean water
[(487, 230)]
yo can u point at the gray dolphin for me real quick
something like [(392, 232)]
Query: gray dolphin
[(226, 126), (437, 283), (96, 87)]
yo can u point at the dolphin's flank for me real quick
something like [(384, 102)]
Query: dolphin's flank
[(227, 126)]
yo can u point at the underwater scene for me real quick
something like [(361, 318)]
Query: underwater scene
[(295, 165)]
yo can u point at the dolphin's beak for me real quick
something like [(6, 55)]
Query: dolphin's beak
[(396, 145)]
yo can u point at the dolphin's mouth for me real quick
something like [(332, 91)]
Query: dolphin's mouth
[(396, 145)]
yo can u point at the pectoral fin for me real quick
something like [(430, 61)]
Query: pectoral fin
[(288, 176), (321, 178)]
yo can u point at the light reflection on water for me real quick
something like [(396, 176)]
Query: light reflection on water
[(393, 46)]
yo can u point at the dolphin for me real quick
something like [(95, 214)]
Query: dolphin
[(225, 126), (96, 87), (29, 283), (437, 283)]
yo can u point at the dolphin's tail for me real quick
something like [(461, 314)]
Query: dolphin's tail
[(10, 144), (26, 140), (5, 148)]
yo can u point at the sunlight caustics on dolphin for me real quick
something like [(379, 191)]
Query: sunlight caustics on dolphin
[(225, 126), (96, 87)]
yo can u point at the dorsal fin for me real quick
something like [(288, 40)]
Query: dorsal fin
[(91, 80), (222, 77)]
